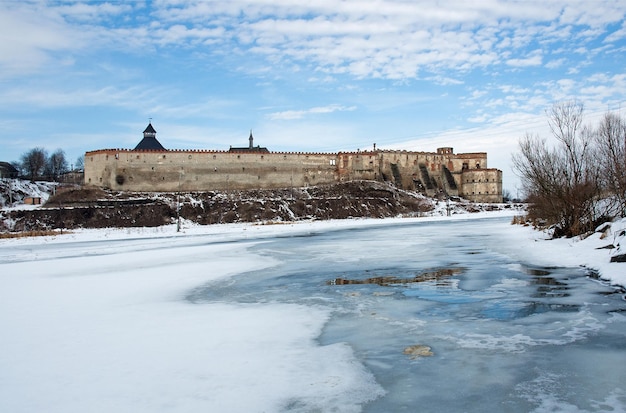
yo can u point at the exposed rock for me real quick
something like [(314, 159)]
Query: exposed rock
[(618, 258), (418, 350)]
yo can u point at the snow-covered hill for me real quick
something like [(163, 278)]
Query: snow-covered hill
[(13, 192)]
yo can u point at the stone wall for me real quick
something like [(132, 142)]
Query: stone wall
[(465, 175), (482, 185)]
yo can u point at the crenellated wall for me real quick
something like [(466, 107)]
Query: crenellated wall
[(464, 175)]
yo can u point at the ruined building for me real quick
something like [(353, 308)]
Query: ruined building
[(151, 167)]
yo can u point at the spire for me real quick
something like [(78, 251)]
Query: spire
[(251, 139)]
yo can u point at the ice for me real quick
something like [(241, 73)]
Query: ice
[(243, 318)]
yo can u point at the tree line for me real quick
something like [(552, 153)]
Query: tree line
[(577, 180), (37, 164)]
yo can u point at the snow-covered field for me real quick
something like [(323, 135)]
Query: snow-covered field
[(96, 321)]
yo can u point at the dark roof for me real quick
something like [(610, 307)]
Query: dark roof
[(7, 170), (150, 129), (249, 148), (150, 143)]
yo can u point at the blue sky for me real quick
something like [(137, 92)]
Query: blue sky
[(319, 76)]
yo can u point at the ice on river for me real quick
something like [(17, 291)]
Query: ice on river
[(301, 318)]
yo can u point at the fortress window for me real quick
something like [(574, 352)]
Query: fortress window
[(238, 156), (477, 166), (189, 156), (261, 156), (214, 157), (163, 156), (332, 162)]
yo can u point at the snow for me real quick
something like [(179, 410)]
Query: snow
[(13, 192), (97, 320)]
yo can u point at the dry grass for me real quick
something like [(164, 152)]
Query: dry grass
[(520, 220), (24, 234)]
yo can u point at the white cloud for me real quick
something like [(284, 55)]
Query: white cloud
[(299, 114), (534, 59), (392, 39), (617, 34)]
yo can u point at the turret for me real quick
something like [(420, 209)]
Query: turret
[(149, 141)]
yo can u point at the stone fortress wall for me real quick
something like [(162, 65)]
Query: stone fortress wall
[(161, 170)]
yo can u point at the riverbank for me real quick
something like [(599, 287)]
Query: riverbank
[(593, 252)]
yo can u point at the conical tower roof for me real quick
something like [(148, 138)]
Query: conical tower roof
[(149, 141)]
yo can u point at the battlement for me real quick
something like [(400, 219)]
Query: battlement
[(156, 169)]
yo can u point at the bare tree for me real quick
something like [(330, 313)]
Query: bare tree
[(56, 165), (611, 145), (80, 163), (33, 162), (561, 182)]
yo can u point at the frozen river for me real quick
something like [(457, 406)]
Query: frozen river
[(411, 316), (504, 335)]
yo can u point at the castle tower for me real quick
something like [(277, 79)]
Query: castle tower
[(149, 141)]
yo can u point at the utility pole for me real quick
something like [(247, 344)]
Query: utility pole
[(180, 174)]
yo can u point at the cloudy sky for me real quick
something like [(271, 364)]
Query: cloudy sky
[(318, 76)]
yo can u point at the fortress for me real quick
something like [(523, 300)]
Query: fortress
[(151, 167)]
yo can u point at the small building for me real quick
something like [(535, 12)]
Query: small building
[(250, 148), (32, 200), (8, 171)]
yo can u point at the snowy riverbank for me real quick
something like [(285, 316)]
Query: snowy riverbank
[(525, 242)]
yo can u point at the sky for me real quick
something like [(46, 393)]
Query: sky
[(322, 76)]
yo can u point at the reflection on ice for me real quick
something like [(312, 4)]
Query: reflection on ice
[(437, 276)]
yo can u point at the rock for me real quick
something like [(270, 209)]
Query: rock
[(418, 350), (618, 258)]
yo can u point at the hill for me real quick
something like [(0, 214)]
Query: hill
[(86, 207)]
